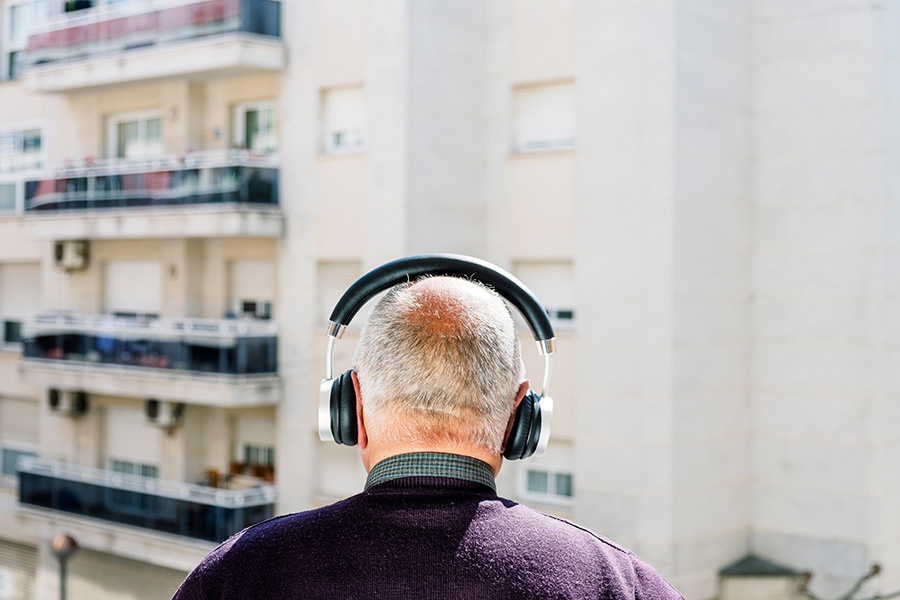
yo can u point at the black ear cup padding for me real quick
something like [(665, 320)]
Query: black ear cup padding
[(526, 430), (343, 410)]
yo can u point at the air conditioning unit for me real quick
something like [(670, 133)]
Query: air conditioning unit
[(163, 413), (71, 255), (67, 402)]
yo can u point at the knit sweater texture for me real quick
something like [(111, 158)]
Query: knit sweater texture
[(422, 537)]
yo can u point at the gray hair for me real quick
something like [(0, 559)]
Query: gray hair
[(439, 361)]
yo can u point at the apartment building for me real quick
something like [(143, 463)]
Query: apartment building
[(699, 192)]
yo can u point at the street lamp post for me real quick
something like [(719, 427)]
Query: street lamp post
[(63, 546)]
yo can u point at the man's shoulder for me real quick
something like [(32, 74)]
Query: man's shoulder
[(290, 524), (579, 546)]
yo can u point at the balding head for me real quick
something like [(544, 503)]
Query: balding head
[(439, 362)]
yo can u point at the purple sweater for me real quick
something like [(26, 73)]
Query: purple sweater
[(422, 537)]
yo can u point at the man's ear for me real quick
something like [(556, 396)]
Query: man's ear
[(520, 393), (362, 438)]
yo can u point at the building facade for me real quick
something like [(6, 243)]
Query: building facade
[(701, 193)]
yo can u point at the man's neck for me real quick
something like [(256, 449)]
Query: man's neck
[(374, 453)]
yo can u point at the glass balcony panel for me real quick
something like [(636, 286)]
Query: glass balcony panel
[(225, 347), (121, 27), (200, 512), (202, 178)]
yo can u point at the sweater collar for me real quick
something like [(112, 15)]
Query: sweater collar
[(432, 464)]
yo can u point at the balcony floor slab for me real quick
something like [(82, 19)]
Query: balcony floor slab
[(221, 55), (164, 550), (223, 391), (190, 221)]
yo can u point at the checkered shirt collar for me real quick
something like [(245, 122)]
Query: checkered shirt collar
[(432, 464)]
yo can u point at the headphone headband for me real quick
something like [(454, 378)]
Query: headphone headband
[(412, 267), (530, 431)]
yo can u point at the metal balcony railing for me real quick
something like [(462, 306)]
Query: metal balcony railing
[(184, 509), (117, 28), (208, 346), (236, 177)]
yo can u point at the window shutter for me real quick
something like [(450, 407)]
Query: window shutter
[(129, 438), (252, 280), (344, 119), (20, 289), (18, 420), (334, 279), (133, 286), (545, 117), (18, 570), (255, 432), (553, 284)]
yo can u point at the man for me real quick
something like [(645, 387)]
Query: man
[(438, 377)]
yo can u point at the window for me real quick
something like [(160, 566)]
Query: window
[(10, 457), (18, 432), (73, 5), (548, 486), (254, 449), (21, 17), (133, 469), (553, 282), (253, 284), (343, 120), (544, 117), (133, 501), (334, 279), (136, 138), (254, 128), (8, 203), (132, 288), (20, 295), (21, 149)]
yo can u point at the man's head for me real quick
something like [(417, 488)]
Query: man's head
[(439, 364)]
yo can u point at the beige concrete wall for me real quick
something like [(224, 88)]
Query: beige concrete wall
[(340, 194), (341, 37), (184, 264), (542, 205), (196, 116), (542, 40), (106, 577), (11, 384), (17, 245)]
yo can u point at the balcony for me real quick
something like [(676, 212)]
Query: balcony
[(210, 194), (194, 511), (152, 39), (224, 363)]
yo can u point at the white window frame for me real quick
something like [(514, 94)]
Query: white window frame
[(356, 137), (564, 139), (562, 314), (22, 447), (239, 132), (112, 132), (9, 44), (18, 130), (19, 203), (550, 496)]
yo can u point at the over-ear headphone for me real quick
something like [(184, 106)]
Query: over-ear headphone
[(337, 400)]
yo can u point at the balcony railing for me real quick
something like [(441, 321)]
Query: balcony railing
[(114, 29), (207, 346), (234, 177), (194, 511)]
